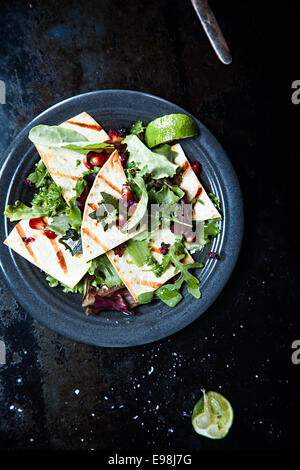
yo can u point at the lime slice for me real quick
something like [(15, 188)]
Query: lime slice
[(168, 128), (212, 415)]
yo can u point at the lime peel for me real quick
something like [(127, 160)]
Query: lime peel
[(212, 415), (168, 128)]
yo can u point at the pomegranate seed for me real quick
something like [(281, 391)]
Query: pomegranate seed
[(120, 220), (190, 238), (132, 207), (213, 255), (36, 224), (119, 250), (49, 234), (106, 154), (95, 159), (123, 158), (196, 167), (113, 135), (28, 239), (87, 164), (126, 193), (164, 248)]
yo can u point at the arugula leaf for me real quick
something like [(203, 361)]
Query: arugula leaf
[(211, 229), (37, 177), (54, 135), (107, 212), (72, 241), (145, 297), (170, 297), (149, 162), (177, 249), (60, 224), (104, 272), (185, 276), (137, 128), (215, 200)]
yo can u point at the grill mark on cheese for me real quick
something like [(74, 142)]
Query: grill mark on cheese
[(184, 168), (58, 173), (95, 127), (22, 234), (111, 185), (94, 238), (93, 206), (153, 284), (198, 193), (59, 255)]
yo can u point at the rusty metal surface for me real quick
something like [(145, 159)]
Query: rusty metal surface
[(57, 394)]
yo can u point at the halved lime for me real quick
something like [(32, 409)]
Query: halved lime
[(168, 128), (212, 415)]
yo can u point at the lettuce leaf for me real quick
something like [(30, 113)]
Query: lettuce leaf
[(139, 251), (47, 202), (166, 195), (72, 211), (104, 272), (78, 289), (149, 162), (60, 224), (37, 177), (54, 135), (137, 128), (22, 211)]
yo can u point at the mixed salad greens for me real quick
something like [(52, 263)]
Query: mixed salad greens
[(154, 174)]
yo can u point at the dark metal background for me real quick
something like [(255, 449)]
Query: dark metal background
[(58, 394)]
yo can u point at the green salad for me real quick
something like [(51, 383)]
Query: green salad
[(116, 217)]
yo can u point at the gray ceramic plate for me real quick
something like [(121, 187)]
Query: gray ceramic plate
[(63, 312)]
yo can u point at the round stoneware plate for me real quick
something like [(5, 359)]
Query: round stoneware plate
[(63, 312)]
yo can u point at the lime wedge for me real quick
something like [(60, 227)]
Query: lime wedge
[(168, 128), (212, 415)]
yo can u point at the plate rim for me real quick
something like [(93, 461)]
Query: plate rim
[(59, 326)]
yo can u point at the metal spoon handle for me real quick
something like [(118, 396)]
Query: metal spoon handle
[(212, 30)]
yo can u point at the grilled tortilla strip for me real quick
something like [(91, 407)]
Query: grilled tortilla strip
[(141, 280), (204, 209), (95, 240), (61, 163), (48, 255)]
